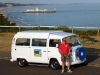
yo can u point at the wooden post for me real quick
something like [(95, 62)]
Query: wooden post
[(13, 29), (54, 28), (86, 30), (39, 28), (32, 28), (19, 28), (98, 31), (72, 29)]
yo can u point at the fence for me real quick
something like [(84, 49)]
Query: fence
[(72, 28), (86, 29), (28, 27)]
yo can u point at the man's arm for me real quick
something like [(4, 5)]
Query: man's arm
[(59, 50), (69, 50)]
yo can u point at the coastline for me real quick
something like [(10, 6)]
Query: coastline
[(2, 8), (4, 14), (1, 12)]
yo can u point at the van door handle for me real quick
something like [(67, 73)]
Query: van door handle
[(49, 51), (15, 49), (44, 51)]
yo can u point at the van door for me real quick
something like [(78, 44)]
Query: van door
[(53, 49), (39, 51), (22, 48)]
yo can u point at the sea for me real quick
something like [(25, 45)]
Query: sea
[(80, 15)]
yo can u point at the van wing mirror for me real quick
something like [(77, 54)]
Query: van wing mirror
[(57, 45)]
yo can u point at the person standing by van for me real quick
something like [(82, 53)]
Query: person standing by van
[(64, 50)]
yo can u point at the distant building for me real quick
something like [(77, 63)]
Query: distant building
[(9, 5)]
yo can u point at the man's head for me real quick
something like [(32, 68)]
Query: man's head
[(64, 40)]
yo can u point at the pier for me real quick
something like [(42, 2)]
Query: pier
[(36, 10)]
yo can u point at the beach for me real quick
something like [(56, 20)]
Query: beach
[(2, 8), (1, 12)]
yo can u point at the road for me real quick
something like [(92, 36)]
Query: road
[(12, 68)]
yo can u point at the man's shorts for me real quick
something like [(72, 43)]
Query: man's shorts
[(65, 58)]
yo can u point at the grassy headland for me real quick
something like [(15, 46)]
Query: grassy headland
[(4, 20)]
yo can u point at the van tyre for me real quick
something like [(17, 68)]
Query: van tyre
[(22, 62), (54, 64), (81, 54)]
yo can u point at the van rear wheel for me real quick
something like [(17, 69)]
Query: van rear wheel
[(54, 64), (22, 62)]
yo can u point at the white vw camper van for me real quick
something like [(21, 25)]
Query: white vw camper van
[(41, 46)]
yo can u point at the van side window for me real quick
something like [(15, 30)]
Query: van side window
[(39, 42), (23, 42), (54, 42)]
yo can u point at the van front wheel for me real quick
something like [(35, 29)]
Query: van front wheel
[(54, 64), (22, 62)]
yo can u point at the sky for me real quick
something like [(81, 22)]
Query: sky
[(52, 1)]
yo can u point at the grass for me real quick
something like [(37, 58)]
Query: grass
[(94, 49), (89, 44), (5, 41)]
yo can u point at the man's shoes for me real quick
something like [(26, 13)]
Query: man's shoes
[(62, 71), (69, 71)]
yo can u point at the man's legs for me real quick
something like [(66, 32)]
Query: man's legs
[(62, 65), (62, 59), (68, 65)]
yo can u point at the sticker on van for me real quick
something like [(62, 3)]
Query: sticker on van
[(37, 53)]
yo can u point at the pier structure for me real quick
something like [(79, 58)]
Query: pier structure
[(36, 10)]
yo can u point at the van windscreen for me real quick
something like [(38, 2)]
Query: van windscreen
[(72, 40)]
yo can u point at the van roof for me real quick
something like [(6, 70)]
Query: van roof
[(42, 34), (40, 31)]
